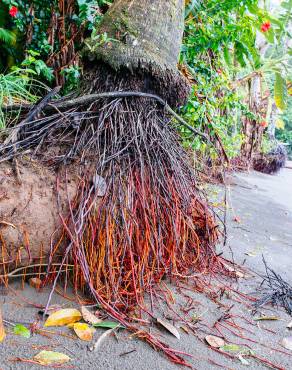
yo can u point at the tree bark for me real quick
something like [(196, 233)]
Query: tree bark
[(141, 34), (141, 47), (251, 129)]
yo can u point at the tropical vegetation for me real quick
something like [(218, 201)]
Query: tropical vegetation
[(229, 47)]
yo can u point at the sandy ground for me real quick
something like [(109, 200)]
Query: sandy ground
[(263, 205)]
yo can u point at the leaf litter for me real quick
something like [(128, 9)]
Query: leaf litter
[(63, 317), (169, 327)]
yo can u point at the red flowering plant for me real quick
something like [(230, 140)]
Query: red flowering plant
[(265, 26), (13, 11), (264, 124)]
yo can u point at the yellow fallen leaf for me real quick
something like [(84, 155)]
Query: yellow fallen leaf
[(63, 317), (2, 330), (83, 331), (267, 318), (51, 358)]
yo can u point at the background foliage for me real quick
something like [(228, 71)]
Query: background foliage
[(221, 54)]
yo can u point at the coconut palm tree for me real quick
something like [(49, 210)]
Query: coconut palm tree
[(135, 214)]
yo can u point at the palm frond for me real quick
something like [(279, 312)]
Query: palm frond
[(6, 36), (193, 6)]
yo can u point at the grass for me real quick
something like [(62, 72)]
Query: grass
[(17, 87)]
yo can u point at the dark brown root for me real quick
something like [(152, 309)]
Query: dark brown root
[(170, 86), (272, 162), (274, 290)]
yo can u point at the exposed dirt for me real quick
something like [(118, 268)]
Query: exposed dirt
[(29, 224)]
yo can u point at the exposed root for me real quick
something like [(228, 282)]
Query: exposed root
[(138, 216), (272, 162), (275, 291)]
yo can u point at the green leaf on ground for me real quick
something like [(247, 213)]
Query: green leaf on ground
[(107, 325), (21, 330), (231, 348)]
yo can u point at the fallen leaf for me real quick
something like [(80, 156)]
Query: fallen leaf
[(237, 273), (35, 283), (230, 348), (107, 325), (19, 329), (83, 331), (243, 360), (63, 317), (169, 327), (289, 326), (2, 330), (251, 254), (267, 318), (89, 317), (185, 329), (215, 342), (7, 224), (51, 358), (237, 219), (101, 339), (287, 343)]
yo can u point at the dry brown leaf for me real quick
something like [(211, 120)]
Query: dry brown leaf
[(169, 327), (287, 343), (215, 342), (2, 330), (63, 317), (51, 358), (89, 317), (83, 331), (185, 329), (237, 273), (7, 224), (35, 283)]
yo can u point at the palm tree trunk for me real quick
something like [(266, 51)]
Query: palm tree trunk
[(252, 131), (142, 38), (142, 34)]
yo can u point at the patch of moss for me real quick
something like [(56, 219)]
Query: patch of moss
[(123, 26)]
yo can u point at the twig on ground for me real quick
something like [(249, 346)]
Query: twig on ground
[(275, 290)]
